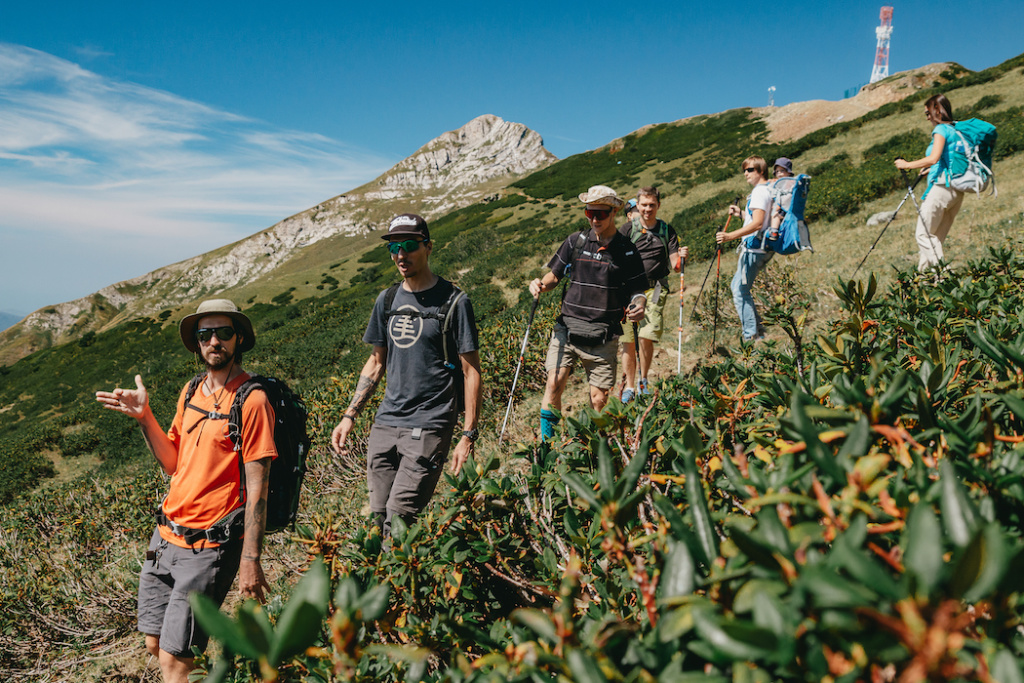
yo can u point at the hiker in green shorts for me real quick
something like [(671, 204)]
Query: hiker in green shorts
[(659, 247), (605, 281)]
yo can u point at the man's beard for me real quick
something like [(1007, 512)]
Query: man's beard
[(222, 363)]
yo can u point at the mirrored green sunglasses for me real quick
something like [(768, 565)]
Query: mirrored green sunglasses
[(408, 246)]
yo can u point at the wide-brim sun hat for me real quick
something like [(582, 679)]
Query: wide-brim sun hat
[(226, 307), (602, 195)]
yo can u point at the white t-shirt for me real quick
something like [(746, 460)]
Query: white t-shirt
[(760, 198)]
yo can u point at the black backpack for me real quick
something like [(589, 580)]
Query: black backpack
[(289, 467), (448, 341)]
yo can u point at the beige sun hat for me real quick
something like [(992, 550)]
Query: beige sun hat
[(187, 328), (602, 195)]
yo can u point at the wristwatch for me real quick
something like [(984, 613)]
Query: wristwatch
[(472, 434)]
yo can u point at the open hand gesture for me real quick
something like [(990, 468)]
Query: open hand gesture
[(132, 402)]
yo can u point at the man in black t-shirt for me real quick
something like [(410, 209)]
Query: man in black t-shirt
[(413, 428), (659, 247), (606, 278)]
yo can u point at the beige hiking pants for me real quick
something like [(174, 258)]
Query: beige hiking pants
[(937, 213)]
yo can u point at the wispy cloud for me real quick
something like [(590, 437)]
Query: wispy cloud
[(84, 154)]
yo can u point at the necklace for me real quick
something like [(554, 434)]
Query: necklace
[(217, 395)]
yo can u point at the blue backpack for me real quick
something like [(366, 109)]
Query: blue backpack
[(970, 156), (792, 236)]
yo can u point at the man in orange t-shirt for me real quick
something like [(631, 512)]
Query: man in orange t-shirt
[(211, 524)]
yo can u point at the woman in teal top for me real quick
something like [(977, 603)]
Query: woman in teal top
[(940, 201)]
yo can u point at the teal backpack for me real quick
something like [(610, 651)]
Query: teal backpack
[(970, 156)]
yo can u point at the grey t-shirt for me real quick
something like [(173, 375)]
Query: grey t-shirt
[(420, 391)]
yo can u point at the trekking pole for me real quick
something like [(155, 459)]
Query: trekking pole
[(718, 278), (711, 264), (679, 345), (515, 379), (913, 198), (910, 193), (641, 383), (735, 202)]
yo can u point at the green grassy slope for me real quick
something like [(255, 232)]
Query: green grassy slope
[(311, 336)]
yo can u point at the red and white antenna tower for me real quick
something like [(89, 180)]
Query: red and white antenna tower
[(884, 32)]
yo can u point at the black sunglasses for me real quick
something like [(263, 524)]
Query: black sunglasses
[(748, 170), (599, 214), (205, 334), (408, 246)]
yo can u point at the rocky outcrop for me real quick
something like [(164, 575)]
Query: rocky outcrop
[(454, 170)]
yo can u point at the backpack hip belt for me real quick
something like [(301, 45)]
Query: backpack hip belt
[(225, 529)]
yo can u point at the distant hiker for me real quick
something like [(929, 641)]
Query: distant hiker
[(756, 218), (210, 526), (941, 202), (782, 194), (606, 277), (659, 248), (423, 334), (631, 210)]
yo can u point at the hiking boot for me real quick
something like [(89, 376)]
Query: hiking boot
[(645, 388), (627, 395)]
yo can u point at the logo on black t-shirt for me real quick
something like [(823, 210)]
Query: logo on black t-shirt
[(405, 330)]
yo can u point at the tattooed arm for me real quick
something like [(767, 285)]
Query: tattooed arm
[(251, 581), (369, 378)]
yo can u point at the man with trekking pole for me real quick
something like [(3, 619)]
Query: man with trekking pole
[(606, 277), (423, 335), (659, 248), (212, 521)]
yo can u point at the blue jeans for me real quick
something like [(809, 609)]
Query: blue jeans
[(747, 268)]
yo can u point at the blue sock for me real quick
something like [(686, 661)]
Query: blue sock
[(548, 422)]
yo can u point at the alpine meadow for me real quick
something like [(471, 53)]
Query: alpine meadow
[(840, 502)]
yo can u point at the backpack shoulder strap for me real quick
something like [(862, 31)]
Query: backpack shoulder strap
[(190, 391), (389, 299), (235, 424), (445, 314), (193, 386), (636, 230), (235, 415), (581, 241)]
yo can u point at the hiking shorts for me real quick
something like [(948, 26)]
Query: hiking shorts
[(598, 361), (165, 584), (403, 466), (653, 324)]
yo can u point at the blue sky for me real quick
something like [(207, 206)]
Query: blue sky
[(133, 135)]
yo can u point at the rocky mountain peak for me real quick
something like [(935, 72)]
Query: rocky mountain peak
[(454, 170), (485, 148)]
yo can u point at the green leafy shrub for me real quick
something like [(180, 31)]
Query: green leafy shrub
[(853, 515)]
